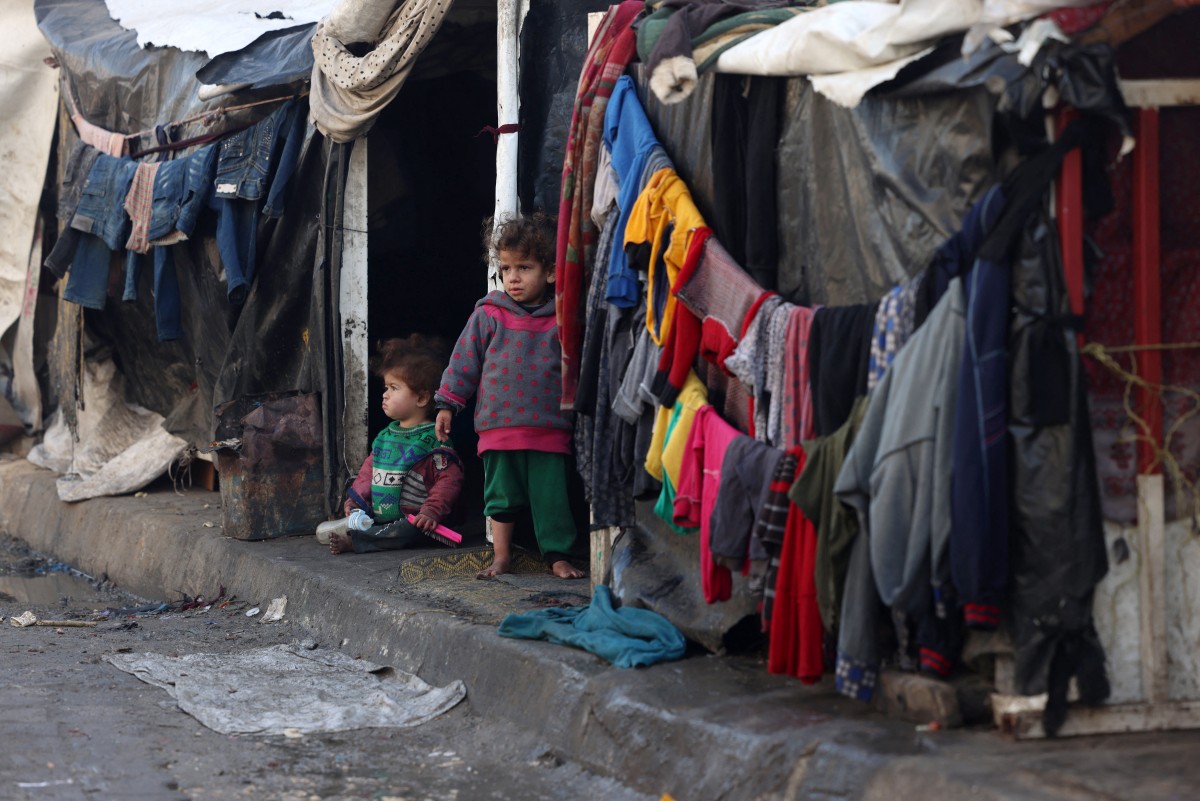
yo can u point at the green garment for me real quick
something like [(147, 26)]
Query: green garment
[(665, 506), (533, 480), (836, 523), (397, 450)]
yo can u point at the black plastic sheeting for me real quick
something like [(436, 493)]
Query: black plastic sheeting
[(554, 38), (905, 169), (280, 338), (277, 57)]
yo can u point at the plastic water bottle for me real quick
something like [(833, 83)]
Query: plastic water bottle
[(357, 521)]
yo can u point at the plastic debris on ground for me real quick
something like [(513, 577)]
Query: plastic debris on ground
[(291, 687), (24, 619), (275, 610)]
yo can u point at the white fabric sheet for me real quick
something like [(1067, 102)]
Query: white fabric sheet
[(121, 448), (29, 97), (212, 26), (849, 36), (271, 690)]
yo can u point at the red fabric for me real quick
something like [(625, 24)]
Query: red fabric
[(797, 389), (699, 480), (683, 342), (1074, 20), (795, 646), (683, 339), (614, 46), (1110, 310)]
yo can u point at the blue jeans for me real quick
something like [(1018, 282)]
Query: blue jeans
[(101, 208), (79, 166), (100, 217), (181, 192), (182, 189), (246, 158), (87, 282), (237, 242), (243, 174)]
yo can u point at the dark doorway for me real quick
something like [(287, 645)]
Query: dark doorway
[(431, 185)]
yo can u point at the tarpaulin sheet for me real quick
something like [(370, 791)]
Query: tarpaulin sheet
[(29, 97), (212, 26), (121, 448), (279, 339), (866, 195), (553, 46), (903, 169), (281, 687), (656, 568), (274, 58)]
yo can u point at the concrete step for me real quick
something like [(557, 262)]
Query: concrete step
[(704, 727)]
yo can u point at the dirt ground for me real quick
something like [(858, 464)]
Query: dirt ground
[(75, 727)]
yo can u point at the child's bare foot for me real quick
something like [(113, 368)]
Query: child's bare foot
[(497, 567), (565, 570), (340, 543)]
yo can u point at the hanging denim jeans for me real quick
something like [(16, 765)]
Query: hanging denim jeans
[(100, 216), (79, 165), (243, 177), (182, 190)]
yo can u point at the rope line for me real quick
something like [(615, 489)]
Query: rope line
[(1161, 451)]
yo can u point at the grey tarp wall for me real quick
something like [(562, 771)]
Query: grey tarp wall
[(280, 338), (553, 46)]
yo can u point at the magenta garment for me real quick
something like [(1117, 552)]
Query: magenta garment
[(699, 479), (797, 392)]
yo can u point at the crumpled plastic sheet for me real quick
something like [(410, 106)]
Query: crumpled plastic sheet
[(289, 687), (121, 448)]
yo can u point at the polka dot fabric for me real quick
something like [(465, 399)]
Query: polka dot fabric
[(349, 91)]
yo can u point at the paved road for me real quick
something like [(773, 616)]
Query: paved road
[(74, 727)]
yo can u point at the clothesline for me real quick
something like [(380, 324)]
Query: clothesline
[(217, 112), (208, 116)]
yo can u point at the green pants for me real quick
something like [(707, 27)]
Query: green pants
[(533, 480)]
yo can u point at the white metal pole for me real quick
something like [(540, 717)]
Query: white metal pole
[(352, 305), (509, 16)]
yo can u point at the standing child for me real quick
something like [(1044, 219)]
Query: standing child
[(410, 470), (509, 354)]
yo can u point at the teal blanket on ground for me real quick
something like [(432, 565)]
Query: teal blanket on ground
[(626, 637)]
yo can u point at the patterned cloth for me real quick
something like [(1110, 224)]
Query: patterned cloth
[(721, 294), (894, 323), (612, 49), (595, 435), (394, 453), (349, 91), (855, 679), (770, 526), (748, 361), (770, 429), (138, 205), (797, 420)]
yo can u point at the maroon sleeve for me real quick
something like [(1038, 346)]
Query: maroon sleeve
[(361, 485), (443, 474)]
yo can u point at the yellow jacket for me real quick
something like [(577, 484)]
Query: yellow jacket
[(666, 453), (665, 201)]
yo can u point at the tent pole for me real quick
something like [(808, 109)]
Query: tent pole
[(352, 304), (509, 16)]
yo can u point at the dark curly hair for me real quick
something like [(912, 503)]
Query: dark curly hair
[(534, 236), (418, 359)]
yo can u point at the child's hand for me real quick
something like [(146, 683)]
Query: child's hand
[(442, 427), (424, 522)]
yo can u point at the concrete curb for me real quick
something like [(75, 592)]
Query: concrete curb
[(701, 728)]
